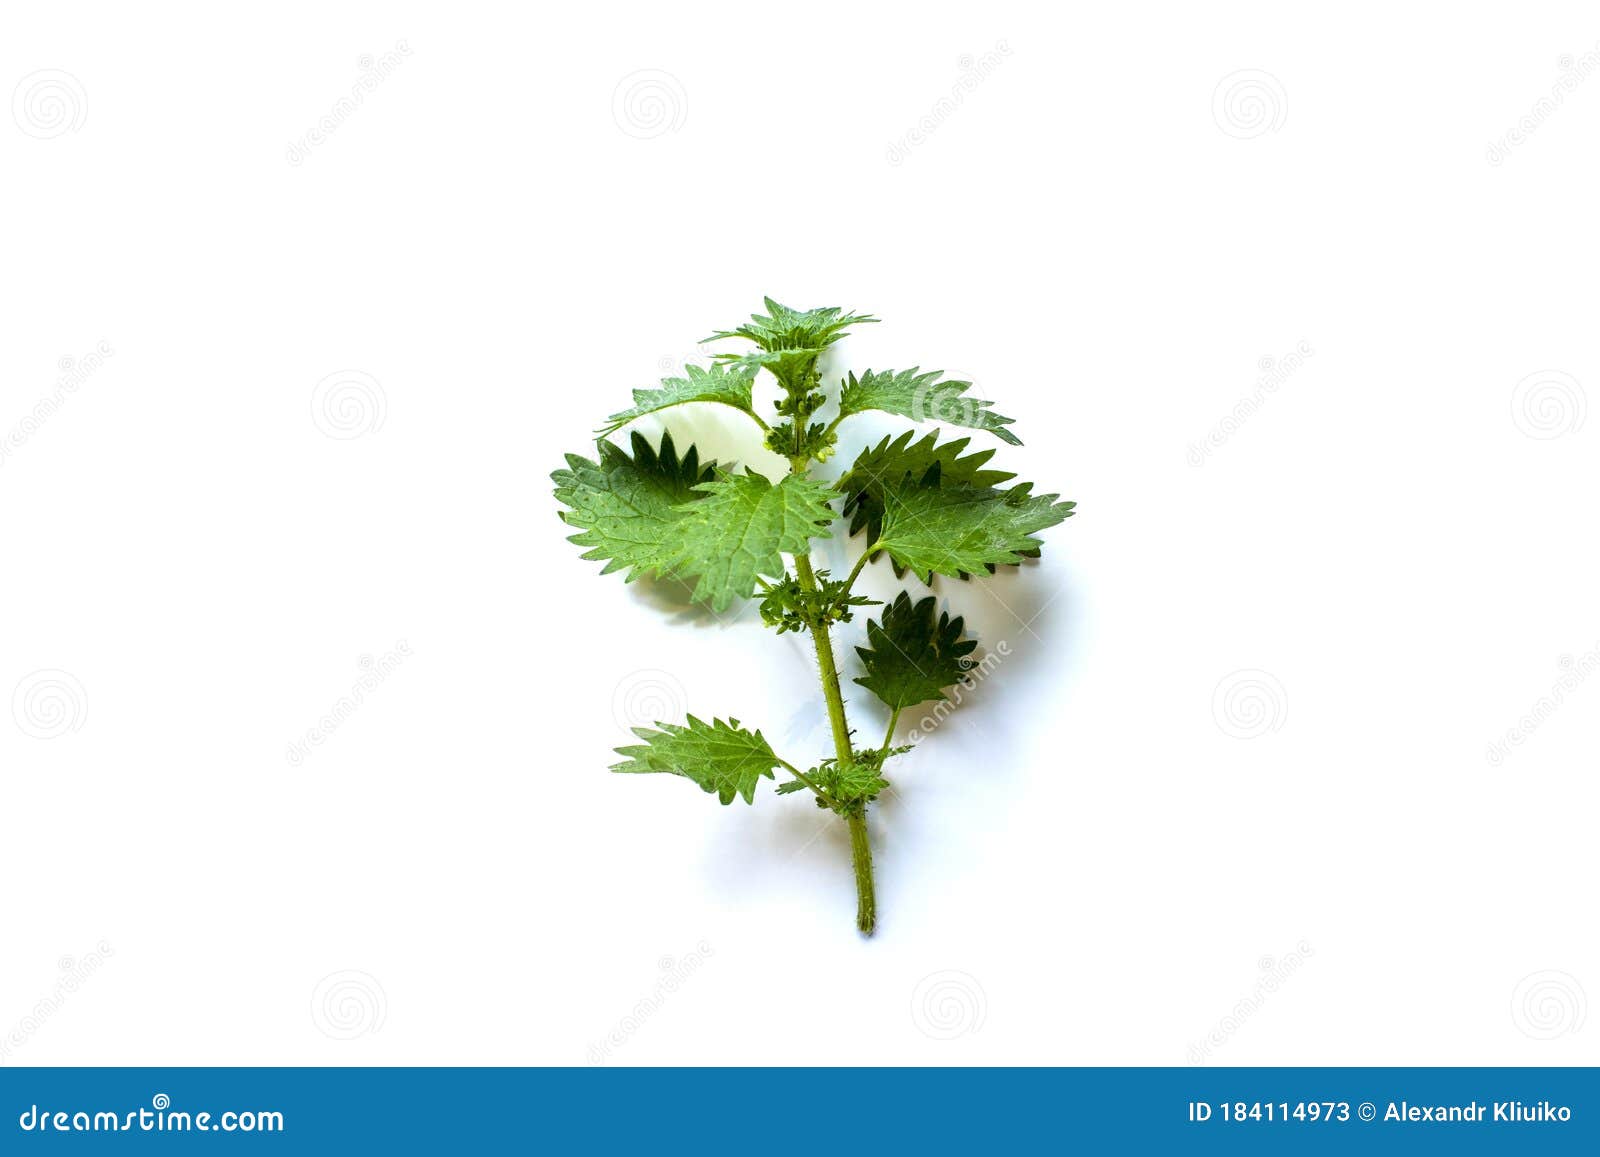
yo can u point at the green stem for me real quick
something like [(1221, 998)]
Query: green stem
[(860, 848), (829, 669), (856, 570), (808, 781), (861, 856), (888, 736)]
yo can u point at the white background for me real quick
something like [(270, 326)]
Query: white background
[(1110, 234)]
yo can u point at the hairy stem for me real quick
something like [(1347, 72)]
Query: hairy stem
[(860, 848), (861, 856), (888, 736), (808, 781), (856, 570), (827, 666)]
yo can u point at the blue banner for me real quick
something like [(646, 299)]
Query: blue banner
[(811, 1111)]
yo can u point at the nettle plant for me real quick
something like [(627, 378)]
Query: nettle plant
[(926, 505)]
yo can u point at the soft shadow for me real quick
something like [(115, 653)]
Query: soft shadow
[(672, 598)]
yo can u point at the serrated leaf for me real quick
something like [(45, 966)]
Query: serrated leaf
[(956, 530), (927, 462), (721, 757), (912, 656), (782, 328), (786, 365), (923, 397), (727, 384), (794, 368), (740, 529), (628, 508), (857, 781)]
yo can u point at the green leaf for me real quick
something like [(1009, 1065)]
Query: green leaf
[(721, 757), (629, 508), (729, 385), (957, 530), (789, 342), (926, 462), (856, 783), (786, 365), (922, 397), (911, 656), (741, 529), (788, 606), (782, 328), (848, 785)]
